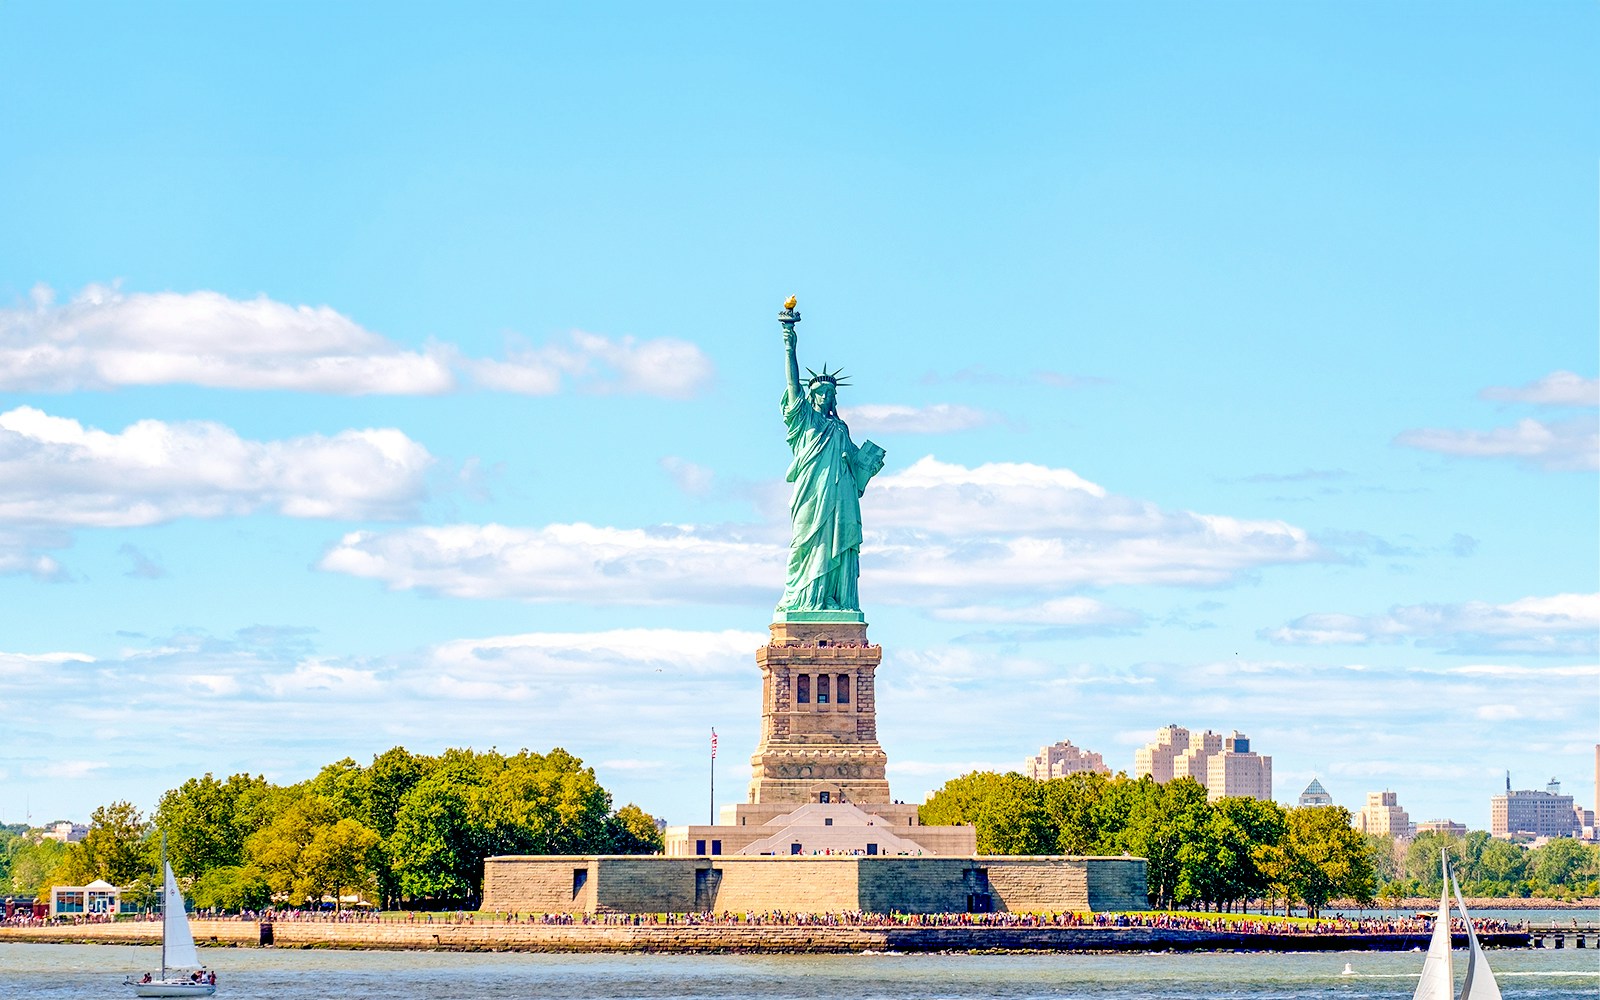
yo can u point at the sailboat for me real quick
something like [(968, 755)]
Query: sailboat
[(1437, 982), (182, 972)]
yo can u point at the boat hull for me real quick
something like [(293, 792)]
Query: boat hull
[(174, 988)]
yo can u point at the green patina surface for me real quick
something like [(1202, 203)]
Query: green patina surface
[(829, 472)]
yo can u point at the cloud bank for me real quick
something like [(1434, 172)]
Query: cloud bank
[(1558, 625), (939, 534), (1550, 445), (938, 418), (640, 694), (105, 338), (57, 475)]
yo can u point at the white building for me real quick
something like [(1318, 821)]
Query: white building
[(67, 832), (1061, 759), (1238, 772), (1383, 816), (1225, 766)]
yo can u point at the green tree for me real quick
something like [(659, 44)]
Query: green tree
[(33, 862), (339, 857), (1501, 869), (1157, 822), (1323, 857), (1073, 805), (231, 887), (1009, 811), (309, 851), (1422, 859), (205, 824), (1563, 862), (631, 830), (470, 806), (115, 849)]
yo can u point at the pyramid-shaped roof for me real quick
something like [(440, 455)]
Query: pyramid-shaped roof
[(1315, 788)]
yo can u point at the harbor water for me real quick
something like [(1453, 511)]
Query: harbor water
[(41, 971)]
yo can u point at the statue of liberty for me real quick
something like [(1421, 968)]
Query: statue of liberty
[(829, 474)]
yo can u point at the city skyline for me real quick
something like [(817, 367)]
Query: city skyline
[(386, 376)]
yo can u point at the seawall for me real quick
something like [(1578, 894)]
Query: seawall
[(691, 938)]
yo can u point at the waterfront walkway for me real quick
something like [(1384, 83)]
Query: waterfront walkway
[(782, 932)]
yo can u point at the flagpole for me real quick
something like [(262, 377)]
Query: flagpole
[(713, 776)]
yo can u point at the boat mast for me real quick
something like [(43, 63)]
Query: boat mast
[(164, 902)]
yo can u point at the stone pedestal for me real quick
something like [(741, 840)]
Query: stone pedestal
[(819, 720)]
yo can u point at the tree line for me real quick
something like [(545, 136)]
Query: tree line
[(408, 829), (1223, 854)]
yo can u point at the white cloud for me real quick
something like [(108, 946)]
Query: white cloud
[(104, 338), (1067, 611), (1560, 625), (675, 369), (1560, 388), (938, 534), (57, 475), (694, 479), (572, 562), (891, 418), (639, 705), (56, 471), (1555, 446), (71, 770)]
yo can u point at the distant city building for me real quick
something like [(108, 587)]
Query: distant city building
[(1238, 772), (1315, 795), (66, 832), (1529, 812), (1176, 753), (1155, 759), (1225, 766), (1448, 827), (1195, 762), (1061, 759), (1383, 816)]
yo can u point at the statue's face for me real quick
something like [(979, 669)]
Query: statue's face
[(822, 396)]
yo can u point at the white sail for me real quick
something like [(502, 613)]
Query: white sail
[(1436, 982), (1480, 984), (179, 943)]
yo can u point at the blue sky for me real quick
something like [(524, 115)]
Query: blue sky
[(382, 374)]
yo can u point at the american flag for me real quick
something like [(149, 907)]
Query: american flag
[(713, 744)]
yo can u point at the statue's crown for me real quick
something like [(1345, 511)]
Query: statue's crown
[(836, 378)]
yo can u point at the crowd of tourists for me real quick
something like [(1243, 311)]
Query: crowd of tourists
[(1338, 924)]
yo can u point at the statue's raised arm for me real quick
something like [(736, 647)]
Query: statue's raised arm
[(829, 474)]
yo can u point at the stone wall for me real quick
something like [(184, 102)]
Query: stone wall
[(1117, 884), (512, 884), (808, 884), (812, 884), (648, 885)]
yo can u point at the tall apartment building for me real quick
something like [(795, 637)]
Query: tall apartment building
[(1155, 759), (1225, 766), (1238, 772), (1195, 762), (1529, 812), (1176, 753), (1382, 815), (1061, 759), (1315, 795)]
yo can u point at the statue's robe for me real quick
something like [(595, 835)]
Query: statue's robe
[(829, 474)]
